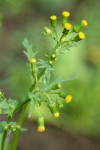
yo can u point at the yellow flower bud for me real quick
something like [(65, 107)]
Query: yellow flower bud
[(67, 26), (33, 60), (53, 20), (53, 17), (65, 13), (68, 98), (80, 26), (41, 129), (81, 35), (84, 23), (56, 115)]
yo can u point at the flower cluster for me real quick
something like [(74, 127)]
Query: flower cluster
[(44, 86), (43, 89)]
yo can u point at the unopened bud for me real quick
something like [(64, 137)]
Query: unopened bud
[(47, 31), (41, 127), (79, 37), (80, 26), (13, 128), (57, 86), (68, 98), (53, 56), (67, 27), (53, 109), (65, 15), (50, 62), (53, 20)]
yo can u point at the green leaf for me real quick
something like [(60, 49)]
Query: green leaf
[(28, 49), (7, 106)]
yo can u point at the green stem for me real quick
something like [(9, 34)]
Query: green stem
[(20, 122), (3, 140), (55, 31), (5, 135), (21, 105)]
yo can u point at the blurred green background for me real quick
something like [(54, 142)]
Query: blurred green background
[(26, 18)]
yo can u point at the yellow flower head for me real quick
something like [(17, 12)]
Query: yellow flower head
[(84, 23), (65, 13), (68, 98), (67, 26), (53, 17), (81, 35), (56, 114), (41, 129), (33, 60)]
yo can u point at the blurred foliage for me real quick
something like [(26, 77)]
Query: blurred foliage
[(26, 18)]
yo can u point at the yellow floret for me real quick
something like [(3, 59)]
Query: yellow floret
[(33, 60), (84, 23), (81, 35), (65, 13), (56, 115), (41, 129), (53, 17), (68, 98), (67, 26)]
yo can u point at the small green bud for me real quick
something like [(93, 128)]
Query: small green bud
[(50, 62), (63, 39), (57, 86), (69, 43), (53, 56), (13, 128), (47, 31), (12, 107), (5, 127)]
